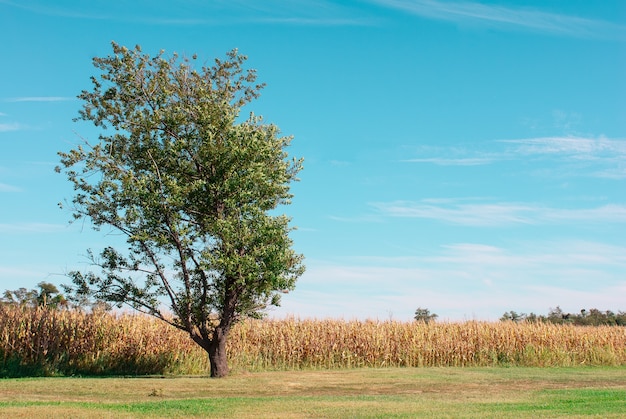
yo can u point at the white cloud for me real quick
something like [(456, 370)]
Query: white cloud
[(193, 13), (8, 188), (498, 214), (40, 99), (13, 274), (31, 228), (509, 18), (613, 173), (464, 281), (464, 214), (595, 157), (368, 218), (578, 147), (605, 214), (563, 255), (14, 126), (470, 161)]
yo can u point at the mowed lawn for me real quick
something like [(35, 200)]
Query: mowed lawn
[(394, 392)]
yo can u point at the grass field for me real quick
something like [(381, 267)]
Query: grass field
[(365, 392)]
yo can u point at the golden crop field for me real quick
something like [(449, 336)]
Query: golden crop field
[(59, 342)]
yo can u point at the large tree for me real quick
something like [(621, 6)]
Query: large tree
[(192, 185)]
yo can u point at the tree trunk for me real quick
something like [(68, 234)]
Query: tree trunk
[(217, 354)]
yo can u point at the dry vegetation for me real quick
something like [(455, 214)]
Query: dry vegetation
[(48, 342)]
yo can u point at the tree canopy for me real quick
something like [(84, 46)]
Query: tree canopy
[(192, 185)]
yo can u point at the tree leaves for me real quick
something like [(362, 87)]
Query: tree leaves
[(189, 184)]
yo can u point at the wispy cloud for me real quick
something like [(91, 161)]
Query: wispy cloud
[(577, 147), (453, 156), (506, 17), (195, 13), (40, 99), (8, 188), (13, 274), (13, 126), (596, 157), (599, 157), (464, 214), (498, 214), (442, 161), (464, 280), (369, 218), (31, 228), (549, 253)]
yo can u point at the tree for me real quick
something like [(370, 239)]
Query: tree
[(558, 316), (513, 316), (48, 295), (424, 315), (194, 189)]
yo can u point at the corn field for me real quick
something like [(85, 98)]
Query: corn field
[(58, 342)]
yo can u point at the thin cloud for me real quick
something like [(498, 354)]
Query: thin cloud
[(191, 13), (509, 18), (31, 228), (369, 218), (596, 157), (52, 11), (8, 188), (440, 161), (13, 274), (499, 214), (464, 280), (615, 173), (579, 147), (462, 214), (453, 156), (558, 254), (599, 157), (40, 99), (14, 126)]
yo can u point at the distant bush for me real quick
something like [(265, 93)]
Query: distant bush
[(47, 295), (592, 317)]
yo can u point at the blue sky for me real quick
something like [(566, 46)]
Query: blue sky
[(464, 156)]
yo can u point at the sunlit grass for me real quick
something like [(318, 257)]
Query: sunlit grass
[(365, 392)]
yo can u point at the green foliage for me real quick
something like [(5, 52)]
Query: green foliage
[(592, 317), (424, 315), (47, 295), (191, 185)]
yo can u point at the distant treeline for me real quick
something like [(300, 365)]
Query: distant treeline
[(592, 317)]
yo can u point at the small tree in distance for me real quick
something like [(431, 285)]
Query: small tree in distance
[(513, 316), (424, 315), (190, 186), (48, 296)]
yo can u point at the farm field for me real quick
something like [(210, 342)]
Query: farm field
[(363, 392), (40, 342)]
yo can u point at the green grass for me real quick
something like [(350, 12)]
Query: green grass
[(374, 393)]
